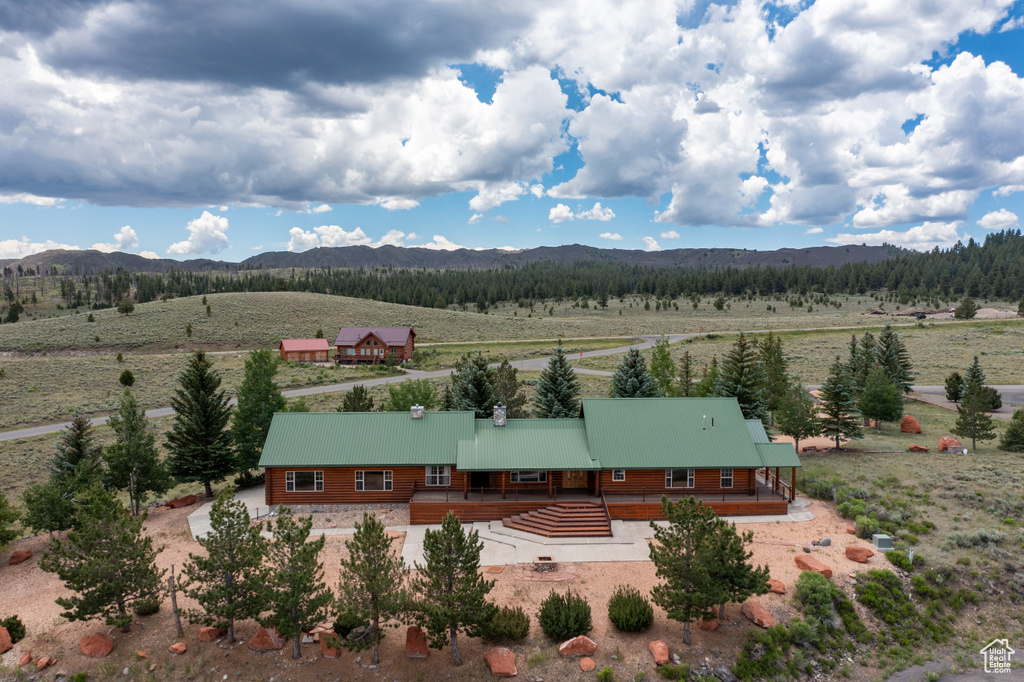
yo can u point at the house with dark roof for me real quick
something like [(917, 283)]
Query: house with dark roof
[(374, 344), (620, 456), (304, 350)]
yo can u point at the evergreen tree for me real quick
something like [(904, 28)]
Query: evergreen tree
[(357, 399), (864, 358), (299, 599), (297, 405), (708, 383), (258, 399), (683, 558), (732, 570), (663, 369), (402, 396), (472, 389), (686, 375), (775, 370), (558, 390), (895, 360), (133, 463), (974, 374), (1013, 437), (230, 582), (49, 506), (971, 420), (1020, 308), (954, 387), (631, 378), (106, 561), (371, 581), (838, 411), (966, 309), (452, 590), (8, 517), (447, 398), (798, 415), (508, 391), (740, 377), (198, 444), (77, 449), (881, 399)]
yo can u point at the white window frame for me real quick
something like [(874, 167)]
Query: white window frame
[(318, 481), (618, 475), (439, 475), (669, 479), (389, 482), (725, 476), (532, 477)]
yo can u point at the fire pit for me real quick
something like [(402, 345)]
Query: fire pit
[(544, 564)]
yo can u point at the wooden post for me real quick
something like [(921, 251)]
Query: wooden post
[(502, 474), (551, 484), (465, 485), (598, 486), (792, 492), (174, 604)]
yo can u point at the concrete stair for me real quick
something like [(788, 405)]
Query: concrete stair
[(564, 520)]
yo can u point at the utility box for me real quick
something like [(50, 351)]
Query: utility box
[(882, 542)]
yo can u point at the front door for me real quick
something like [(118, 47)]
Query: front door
[(479, 479), (574, 479)]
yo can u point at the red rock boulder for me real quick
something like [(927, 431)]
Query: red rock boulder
[(25, 659), (181, 502), (914, 447), (96, 646), (708, 624), (330, 646), (416, 643), (776, 586), (178, 648), (208, 634), (267, 639), (809, 563), (18, 556), (947, 442), (501, 661), (757, 614), (660, 651), (577, 646), (910, 425), (5, 640), (859, 554), (587, 664), (851, 530), (45, 662)]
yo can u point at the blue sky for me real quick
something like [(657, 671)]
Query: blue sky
[(193, 129)]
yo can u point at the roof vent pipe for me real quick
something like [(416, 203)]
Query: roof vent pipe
[(499, 415), (704, 424), (416, 412)]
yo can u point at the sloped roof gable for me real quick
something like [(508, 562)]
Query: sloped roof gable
[(389, 336)]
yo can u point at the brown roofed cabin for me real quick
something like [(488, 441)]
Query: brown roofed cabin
[(374, 344), (304, 350)]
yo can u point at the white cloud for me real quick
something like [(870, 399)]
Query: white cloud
[(651, 244), (999, 220), (19, 248), (392, 238), (614, 236), (670, 234), (206, 235), (1013, 23), (152, 255), (322, 208), (596, 213), (441, 243), (500, 219), (560, 214), (256, 248), (537, 190), (491, 196), (475, 218), (412, 236), (924, 237), (124, 239), (397, 203), (814, 230), (22, 198), (325, 235), (300, 240), (224, 208)]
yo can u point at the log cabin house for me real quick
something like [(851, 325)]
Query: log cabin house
[(620, 455), (374, 344), (304, 350)]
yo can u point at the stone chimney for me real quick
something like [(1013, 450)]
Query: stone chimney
[(416, 412), (499, 415)]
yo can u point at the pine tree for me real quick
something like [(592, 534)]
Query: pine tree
[(683, 558), (371, 581), (106, 561), (894, 359), (49, 506), (966, 309), (881, 399), (258, 399), (230, 582), (971, 420), (77, 449), (798, 415), (631, 378), (357, 399), (663, 369), (299, 599), (508, 391), (775, 370), (838, 411), (708, 383), (974, 374), (133, 463), (686, 375), (1013, 437), (451, 588), (472, 389), (864, 358), (740, 377), (558, 390), (402, 396), (8, 517), (732, 570), (199, 446), (954, 387)]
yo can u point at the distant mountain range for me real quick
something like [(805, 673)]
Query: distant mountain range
[(95, 262)]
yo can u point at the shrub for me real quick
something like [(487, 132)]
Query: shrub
[(606, 675), (823, 490), (851, 509), (120, 357), (629, 610), (147, 607), (127, 378), (675, 672), (346, 622), (804, 632), (866, 526), (563, 617), (982, 536), (815, 593), (507, 624), (15, 628), (902, 560), (764, 655)]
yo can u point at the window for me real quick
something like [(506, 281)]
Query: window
[(350, 351), (374, 480), (726, 478), (618, 474), (678, 478), (529, 477), (304, 481), (439, 475)]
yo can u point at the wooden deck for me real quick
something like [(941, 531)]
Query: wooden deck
[(564, 520)]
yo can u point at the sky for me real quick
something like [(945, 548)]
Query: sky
[(189, 128)]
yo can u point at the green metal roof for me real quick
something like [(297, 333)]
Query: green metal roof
[(364, 438), (757, 432), (527, 444), (656, 433), (777, 454)]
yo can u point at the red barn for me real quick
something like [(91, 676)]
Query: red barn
[(304, 350), (374, 344)]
